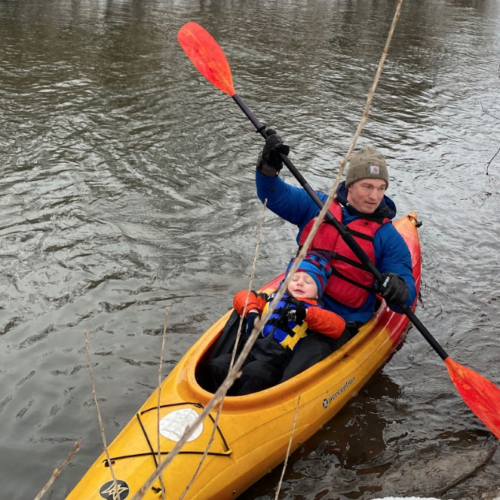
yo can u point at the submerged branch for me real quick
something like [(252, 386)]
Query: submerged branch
[(461, 479)]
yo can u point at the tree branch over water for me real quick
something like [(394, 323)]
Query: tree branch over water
[(486, 112), (489, 163), (58, 471), (219, 409), (103, 435)]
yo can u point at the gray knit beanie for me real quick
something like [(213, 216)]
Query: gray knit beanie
[(366, 164)]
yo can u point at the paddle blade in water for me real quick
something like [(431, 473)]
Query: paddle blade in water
[(481, 395), (206, 54)]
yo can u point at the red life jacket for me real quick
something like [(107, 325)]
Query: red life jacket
[(350, 283)]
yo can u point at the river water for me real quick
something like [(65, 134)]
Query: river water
[(127, 188)]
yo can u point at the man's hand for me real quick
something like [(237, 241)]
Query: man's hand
[(393, 288), (269, 162)]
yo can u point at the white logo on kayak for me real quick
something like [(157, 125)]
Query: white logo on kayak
[(173, 425), (108, 491), (327, 401)]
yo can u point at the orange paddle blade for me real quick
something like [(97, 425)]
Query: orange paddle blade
[(206, 54), (481, 395)]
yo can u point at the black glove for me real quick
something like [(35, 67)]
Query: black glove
[(251, 317), (393, 288), (298, 314), (269, 162)]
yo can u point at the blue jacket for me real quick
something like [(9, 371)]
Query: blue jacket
[(391, 252)]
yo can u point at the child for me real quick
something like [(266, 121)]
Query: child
[(297, 314)]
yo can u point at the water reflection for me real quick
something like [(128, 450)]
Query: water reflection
[(353, 448)]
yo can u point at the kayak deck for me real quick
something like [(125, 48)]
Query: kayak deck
[(253, 432)]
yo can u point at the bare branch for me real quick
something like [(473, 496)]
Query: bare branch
[(371, 93), (58, 471), (288, 450), (233, 374), (489, 163), (103, 435), (159, 395), (219, 409), (252, 276), (486, 112)]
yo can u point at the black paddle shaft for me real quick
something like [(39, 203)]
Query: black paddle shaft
[(344, 232)]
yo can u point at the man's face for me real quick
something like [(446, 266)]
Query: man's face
[(365, 195)]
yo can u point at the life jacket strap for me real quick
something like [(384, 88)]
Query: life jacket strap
[(353, 232), (355, 263), (352, 282), (300, 331)]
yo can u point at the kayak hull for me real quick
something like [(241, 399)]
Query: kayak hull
[(252, 434)]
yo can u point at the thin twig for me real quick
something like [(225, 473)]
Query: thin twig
[(57, 471), (103, 435), (489, 163), (483, 195), (487, 112), (288, 450), (219, 409), (159, 396), (492, 190), (250, 284), (333, 190), (461, 479), (371, 92)]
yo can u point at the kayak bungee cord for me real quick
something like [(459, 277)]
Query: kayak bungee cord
[(479, 393)]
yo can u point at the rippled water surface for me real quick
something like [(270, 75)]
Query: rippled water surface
[(127, 187)]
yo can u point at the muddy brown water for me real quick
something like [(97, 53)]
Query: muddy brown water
[(127, 187)]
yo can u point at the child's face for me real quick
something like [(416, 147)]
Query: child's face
[(303, 286)]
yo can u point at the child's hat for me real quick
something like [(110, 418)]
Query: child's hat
[(317, 266)]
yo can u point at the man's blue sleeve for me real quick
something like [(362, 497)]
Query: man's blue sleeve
[(393, 256), (288, 202)]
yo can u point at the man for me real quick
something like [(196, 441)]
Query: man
[(362, 206)]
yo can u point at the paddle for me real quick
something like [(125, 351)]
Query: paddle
[(481, 395)]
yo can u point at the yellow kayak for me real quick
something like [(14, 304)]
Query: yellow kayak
[(253, 432)]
